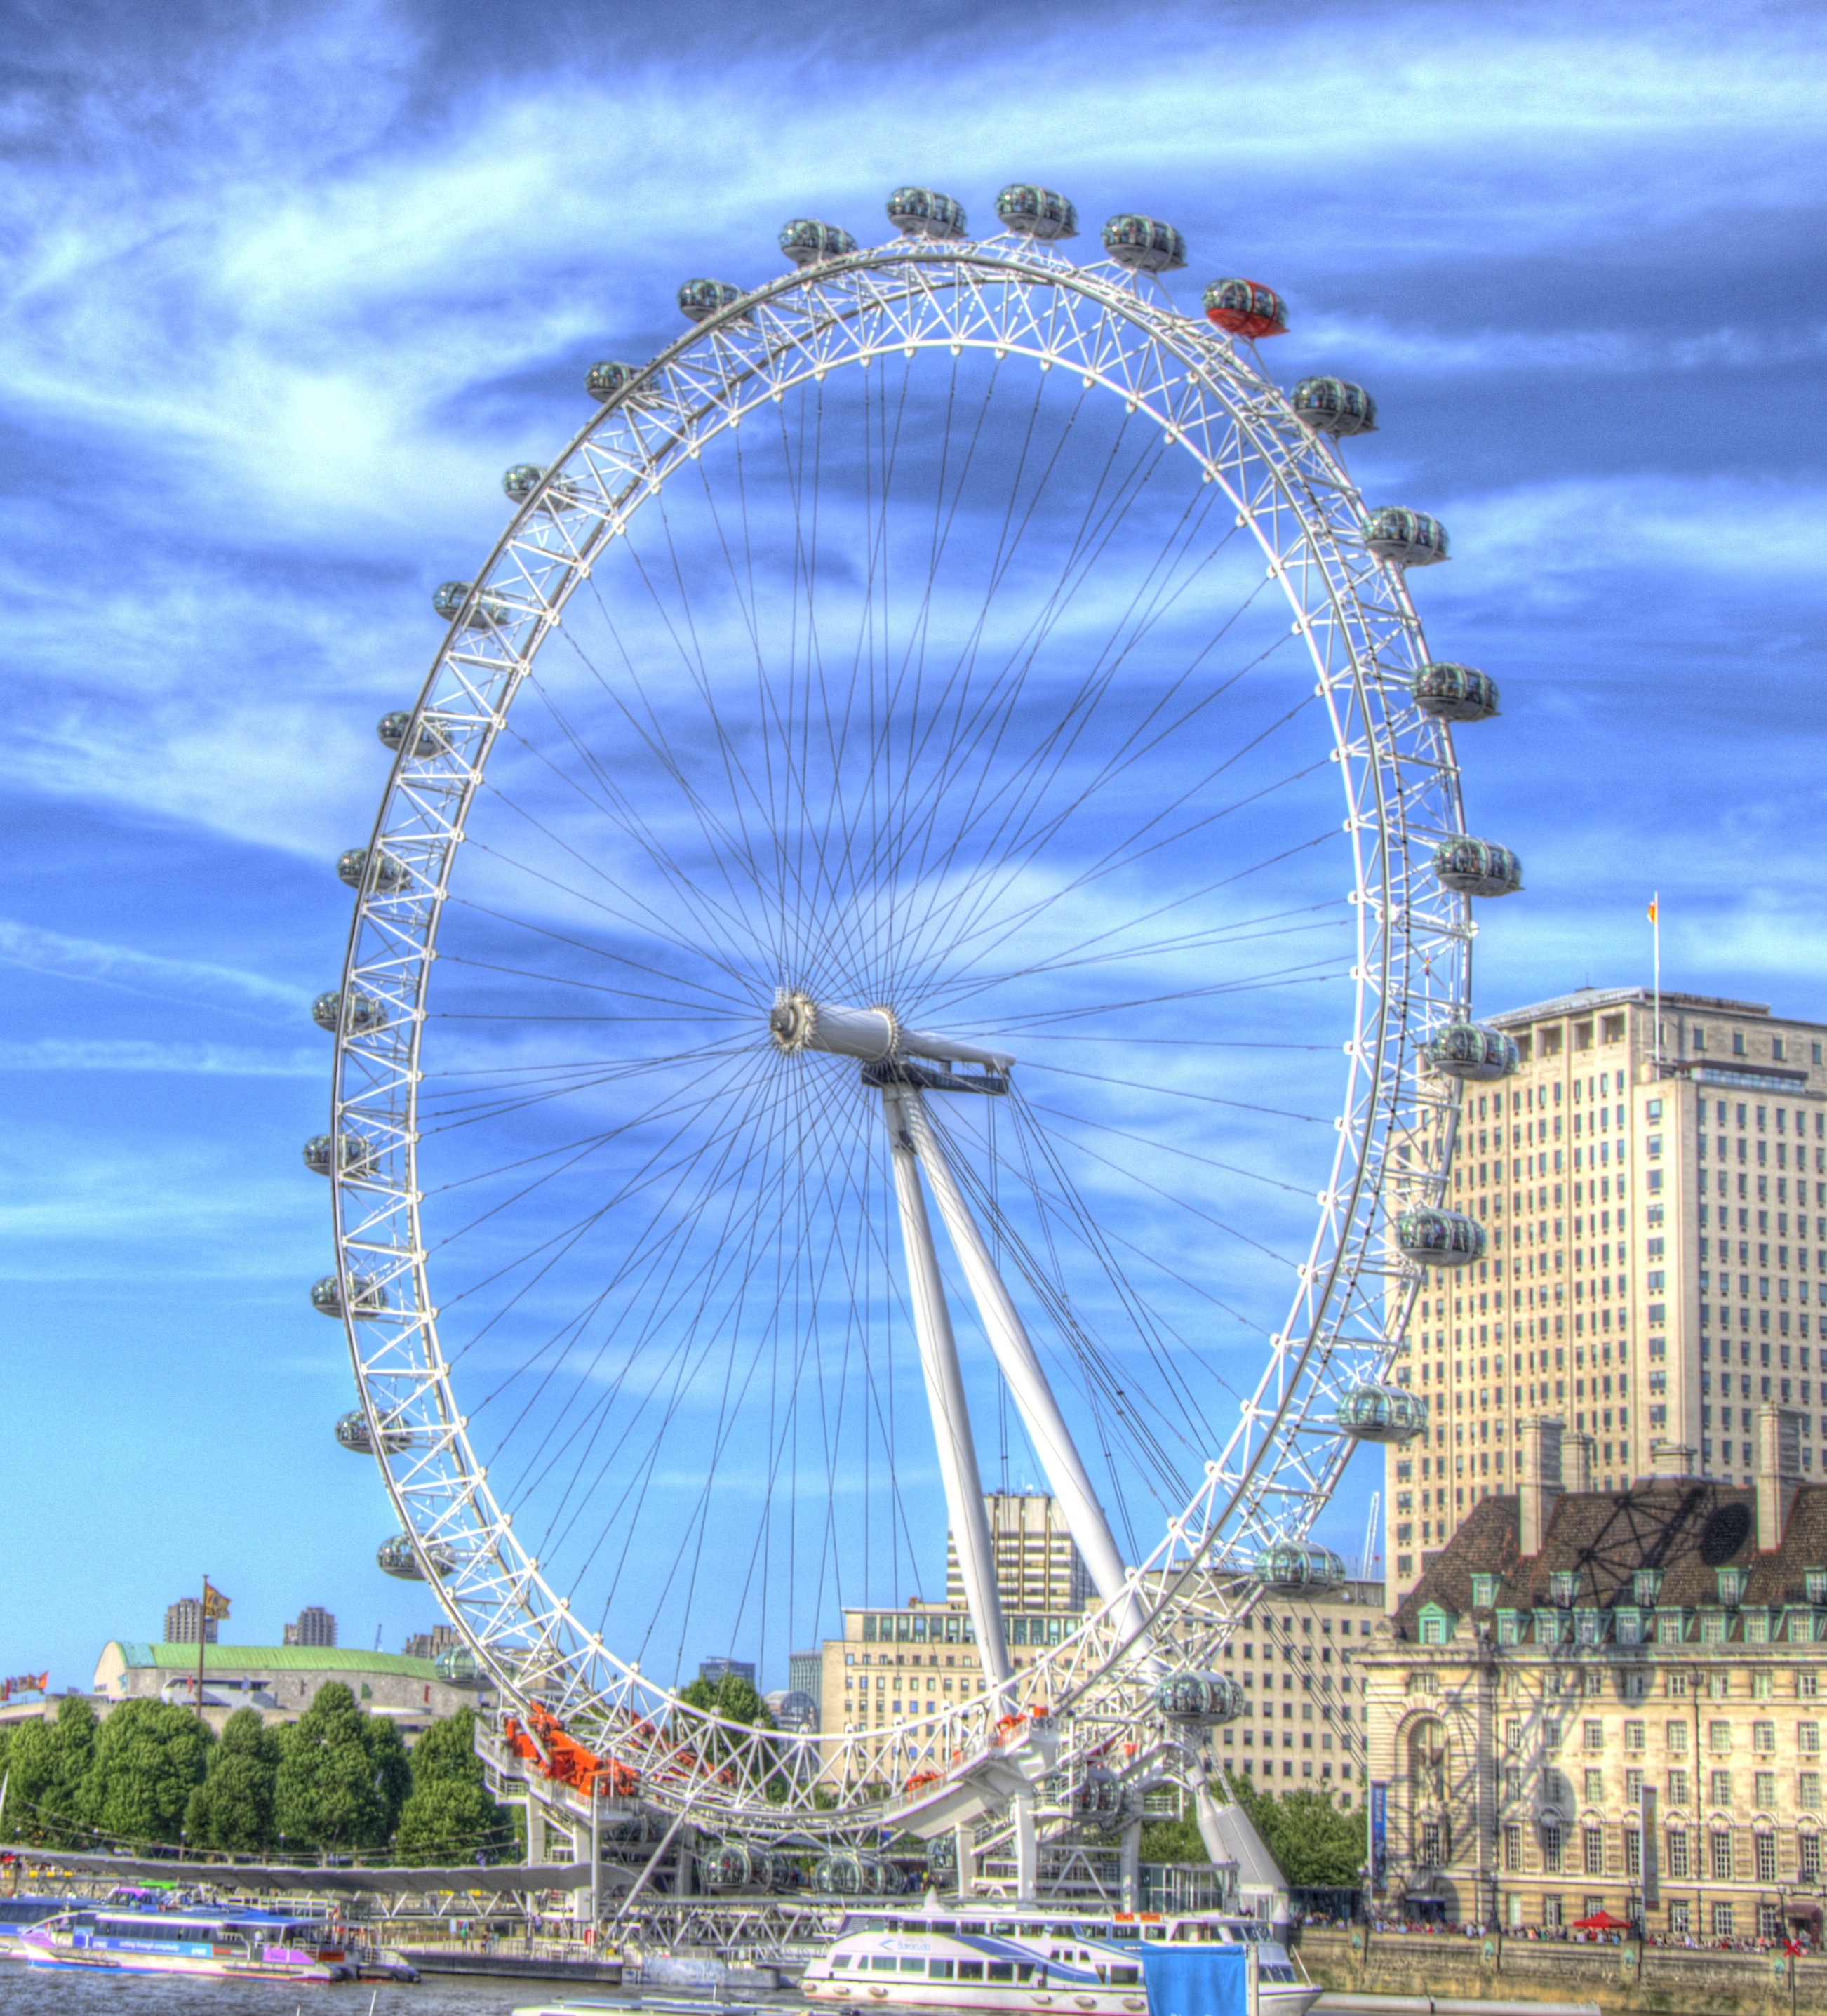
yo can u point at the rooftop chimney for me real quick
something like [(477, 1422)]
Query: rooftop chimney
[(1672, 1460), (1580, 1450), (1541, 1484), (1779, 1473)]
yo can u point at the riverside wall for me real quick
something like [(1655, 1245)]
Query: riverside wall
[(1359, 1960)]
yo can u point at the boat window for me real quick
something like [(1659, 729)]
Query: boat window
[(944, 1925), (1124, 1977), (841, 1960), (1024, 1973), (970, 1970), (1124, 1932), (882, 1963), (940, 1969), (1180, 1932), (912, 1966), (1003, 1928), (1002, 1969), (970, 1924), (1154, 1932), (1063, 1932)]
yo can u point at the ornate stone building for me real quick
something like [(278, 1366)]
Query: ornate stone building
[(1611, 1700)]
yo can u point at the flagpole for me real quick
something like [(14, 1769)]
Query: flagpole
[(202, 1627), (1655, 923)]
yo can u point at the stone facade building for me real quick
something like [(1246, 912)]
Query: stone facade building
[(1612, 1700), (1654, 1201)]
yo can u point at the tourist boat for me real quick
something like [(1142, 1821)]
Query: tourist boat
[(1070, 1962), (258, 1945)]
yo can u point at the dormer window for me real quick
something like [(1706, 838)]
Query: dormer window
[(1646, 1585), (1563, 1585), (1732, 1585), (1817, 1578), (1484, 1591)]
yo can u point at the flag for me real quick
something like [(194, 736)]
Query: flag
[(215, 1605), (1653, 902)]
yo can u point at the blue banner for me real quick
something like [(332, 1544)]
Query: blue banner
[(1380, 1831), (1196, 1980)]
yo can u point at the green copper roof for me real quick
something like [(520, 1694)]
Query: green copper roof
[(275, 1659)]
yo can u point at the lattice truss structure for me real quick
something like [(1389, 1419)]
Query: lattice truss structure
[(1121, 336)]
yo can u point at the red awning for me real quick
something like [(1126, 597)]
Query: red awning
[(1600, 1921)]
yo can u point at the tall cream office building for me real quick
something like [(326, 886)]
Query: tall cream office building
[(1656, 1261)]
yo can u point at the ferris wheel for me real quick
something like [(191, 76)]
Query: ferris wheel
[(916, 943)]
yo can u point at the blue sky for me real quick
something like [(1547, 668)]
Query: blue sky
[(285, 289)]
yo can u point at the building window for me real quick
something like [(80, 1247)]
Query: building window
[(1432, 1844), (1551, 1917), (1766, 1845), (1595, 1735), (1722, 1788), (1634, 1736), (1593, 1846), (1678, 1852), (1763, 1733), (1722, 1921), (1677, 1920), (1512, 1847), (1595, 1787), (1809, 1848), (1550, 1851), (1721, 1856)]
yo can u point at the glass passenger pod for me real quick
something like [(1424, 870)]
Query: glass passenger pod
[(355, 1153), (353, 1434), (1373, 1412), (735, 1865), (457, 1667), (1404, 537), (1477, 867), (457, 602), (925, 213), (1097, 1795), (1334, 406), (806, 242), (1246, 307), (390, 874), (395, 1556), (1205, 1699), (1439, 1238), (1145, 244), (1455, 693), (846, 1874), (608, 380), (1030, 212), (356, 1015), (1290, 1565), (368, 1298), (393, 728), (699, 299), (1469, 1050)]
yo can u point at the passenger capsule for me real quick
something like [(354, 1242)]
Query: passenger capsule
[(395, 1557), (457, 1667), (1455, 693), (603, 382), (735, 1865), (1096, 1795), (368, 1299), (1477, 867), (391, 873), (925, 213), (846, 1874), (1288, 1566), (1145, 244), (700, 298), (1246, 307), (942, 1855), (1036, 213), (1334, 406), (1379, 1413), (456, 601), (432, 741), (1469, 1050), (1407, 538), (355, 1152), (1437, 1237), (357, 1014), (807, 242), (353, 1434), (1204, 1699)]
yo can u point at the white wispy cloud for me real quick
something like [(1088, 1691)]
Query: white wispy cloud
[(64, 1055), (41, 951)]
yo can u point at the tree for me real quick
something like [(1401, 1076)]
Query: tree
[(1315, 1845), (732, 1697), (450, 1815), (1172, 1841), (148, 1757), (233, 1809), (47, 1763), (343, 1776)]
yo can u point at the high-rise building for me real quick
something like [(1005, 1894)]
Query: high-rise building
[(315, 1626), (1037, 1565), (184, 1619), (1655, 1259), (718, 1667), (429, 1644), (805, 1672)]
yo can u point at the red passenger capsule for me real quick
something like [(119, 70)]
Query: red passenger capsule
[(1244, 307)]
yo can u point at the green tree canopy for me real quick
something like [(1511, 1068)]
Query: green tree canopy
[(732, 1697), (48, 1765), (148, 1757), (233, 1809), (343, 1776), (449, 1819), (447, 1750), (1314, 1844)]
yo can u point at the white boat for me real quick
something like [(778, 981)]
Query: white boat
[(1066, 1961), (258, 1945)]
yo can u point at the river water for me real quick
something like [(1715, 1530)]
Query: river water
[(42, 1992)]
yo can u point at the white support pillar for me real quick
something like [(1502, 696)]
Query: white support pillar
[(1027, 1858), (1132, 1868), (1021, 1367), (951, 1431)]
